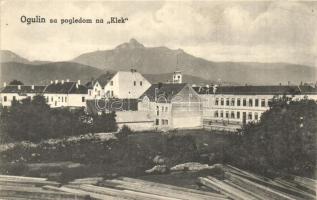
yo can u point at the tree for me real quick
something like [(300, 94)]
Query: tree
[(283, 141), (15, 82), (106, 122)]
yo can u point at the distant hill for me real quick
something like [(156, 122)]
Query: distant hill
[(9, 56), (43, 73), (162, 60)]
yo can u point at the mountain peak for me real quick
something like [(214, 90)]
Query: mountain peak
[(132, 44)]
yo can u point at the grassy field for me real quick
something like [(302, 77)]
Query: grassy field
[(65, 159)]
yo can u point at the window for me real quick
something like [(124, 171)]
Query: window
[(238, 102), (157, 122), (227, 114), (157, 110), (250, 116), (162, 121), (14, 98), (111, 83), (256, 116), (52, 99), (89, 92), (232, 101), (256, 103), (141, 83), (250, 102), (269, 102), (82, 99), (162, 108), (227, 102), (222, 101), (111, 93), (5, 98), (179, 77), (244, 102), (232, 115), (238, 115), (217, 102), (221, 114), (134, 83), (262, 102), (166, 122), (62, 99), (216, 114), (65, 99)]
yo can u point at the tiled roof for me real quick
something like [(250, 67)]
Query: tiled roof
[(89, 85), (168, 90), (66, 88), (24, 89), (104, 79), (253, 90)]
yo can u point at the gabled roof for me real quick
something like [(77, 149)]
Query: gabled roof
[(168, 90), (257, 90), (104, 79), (24, 89), (66, 88)]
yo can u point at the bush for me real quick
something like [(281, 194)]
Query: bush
[(124, 132), (34, 120)]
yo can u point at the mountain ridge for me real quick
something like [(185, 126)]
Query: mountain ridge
[(163, 60)]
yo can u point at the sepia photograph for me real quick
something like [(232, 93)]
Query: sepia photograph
[(158, 100)]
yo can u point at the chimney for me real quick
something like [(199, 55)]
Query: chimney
[(78, 82), (32, 87), (76, 85), (62, 81), (207, 86), (19, 87), (56, 81), (67, 80), (52, 82), (4, 84)]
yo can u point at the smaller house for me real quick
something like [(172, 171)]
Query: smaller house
[(172, 105), (10, 93), (66, 93)]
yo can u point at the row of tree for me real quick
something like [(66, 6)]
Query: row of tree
[(33, 120), (284, 141)]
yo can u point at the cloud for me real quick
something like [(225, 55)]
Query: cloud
[(244, 31)]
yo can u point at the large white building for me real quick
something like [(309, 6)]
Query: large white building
[(121, 85), (229, 107)]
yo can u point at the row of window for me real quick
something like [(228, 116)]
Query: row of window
[(235, 115), (238, 102), (163, 122)]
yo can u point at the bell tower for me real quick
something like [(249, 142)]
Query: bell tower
[(177, 77)]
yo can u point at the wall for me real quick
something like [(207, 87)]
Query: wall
[(126, 88), (136, 120)]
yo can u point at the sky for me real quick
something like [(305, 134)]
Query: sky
[(274, 31)]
